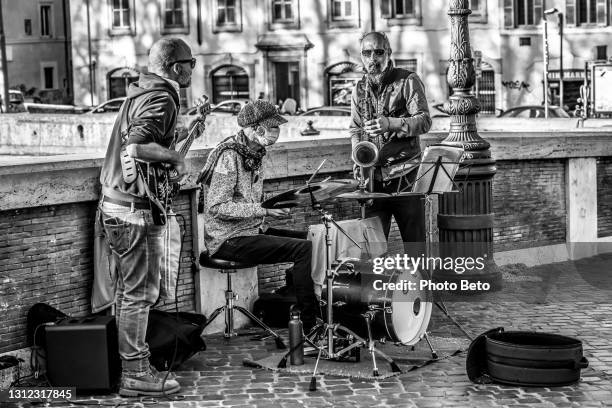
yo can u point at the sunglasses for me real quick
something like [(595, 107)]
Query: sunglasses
[(191, 61), (379, 52)]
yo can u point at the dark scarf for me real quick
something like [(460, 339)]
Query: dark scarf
[(251, 160)]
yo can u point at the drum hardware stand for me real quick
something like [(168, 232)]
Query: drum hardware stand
[(329, 331)]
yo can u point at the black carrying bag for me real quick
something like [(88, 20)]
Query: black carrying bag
[(168, 334), (38, 315), (165, 333), (530, 359)]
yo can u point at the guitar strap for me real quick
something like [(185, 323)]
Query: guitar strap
[(128, 164)]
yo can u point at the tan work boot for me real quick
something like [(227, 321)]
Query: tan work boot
[(150, 384), (162, 374)]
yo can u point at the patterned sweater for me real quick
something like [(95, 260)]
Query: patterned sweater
[(232, 203)]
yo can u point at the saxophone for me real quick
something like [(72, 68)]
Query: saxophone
[(365, 152)]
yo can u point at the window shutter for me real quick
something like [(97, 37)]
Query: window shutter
[(509, 13), (570, 13), (602, 16), (385, 9), (537, 11)]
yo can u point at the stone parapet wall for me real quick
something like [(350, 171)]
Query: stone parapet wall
[(47, 256), (46, 134), (604, 197), (47, 210), (529, 203)]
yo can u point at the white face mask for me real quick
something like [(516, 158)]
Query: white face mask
[(269, 137)]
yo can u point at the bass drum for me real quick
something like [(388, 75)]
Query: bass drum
[(404, 310)]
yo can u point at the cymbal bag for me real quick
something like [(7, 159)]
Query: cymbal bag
[(523, 358)]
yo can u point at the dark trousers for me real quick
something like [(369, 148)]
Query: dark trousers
[(276, 246), (409, 214)]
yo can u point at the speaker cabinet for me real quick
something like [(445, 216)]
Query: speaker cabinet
[(83, 353)]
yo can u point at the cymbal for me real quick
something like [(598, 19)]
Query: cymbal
[(363, 195), (322, 191)]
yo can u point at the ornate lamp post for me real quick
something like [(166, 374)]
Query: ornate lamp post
[(465, 219)]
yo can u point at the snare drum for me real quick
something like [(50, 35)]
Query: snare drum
[(403, 308)]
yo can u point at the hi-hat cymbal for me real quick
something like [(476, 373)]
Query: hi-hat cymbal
[(322, 191), (363, 195)]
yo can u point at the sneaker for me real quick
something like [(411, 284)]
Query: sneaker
[(149, 384)]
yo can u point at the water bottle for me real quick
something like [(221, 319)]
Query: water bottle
[(296, 342)]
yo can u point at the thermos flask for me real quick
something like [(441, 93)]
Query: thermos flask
[(296, 342)]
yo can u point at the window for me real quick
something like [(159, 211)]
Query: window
[(341, 79), (521, 13), (587, 12), (287, 80), (342, 9), (601, 52), (48, 75), (282, 10), (228, 15), (343, 13), (119, 80), (45, 20), (121, 13), (527, 13), (479, 11), (486, 90), (122, 16), (284, 14), (401, 12), (27, 26), (229, 82), (174, 16)]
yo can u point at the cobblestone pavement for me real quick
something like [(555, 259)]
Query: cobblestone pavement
[(563, 302)]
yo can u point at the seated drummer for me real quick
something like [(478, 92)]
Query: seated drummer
[(233, 190)]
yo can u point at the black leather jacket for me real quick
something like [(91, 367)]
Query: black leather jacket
[(402, 95)]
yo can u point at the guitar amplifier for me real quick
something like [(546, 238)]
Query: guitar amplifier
[(83, 353)]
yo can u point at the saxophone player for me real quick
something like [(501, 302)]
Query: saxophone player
[(389, 108)]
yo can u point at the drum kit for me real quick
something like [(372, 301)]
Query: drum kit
[(370, 303)]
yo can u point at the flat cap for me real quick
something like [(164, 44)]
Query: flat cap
[(260, 112)]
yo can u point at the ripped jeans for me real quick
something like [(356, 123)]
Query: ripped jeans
[(137, 246)]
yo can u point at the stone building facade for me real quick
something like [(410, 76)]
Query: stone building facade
[(38, 48), (309, 50)]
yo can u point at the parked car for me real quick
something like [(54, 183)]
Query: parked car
[(327, 111), (230, 107), (534, 111), (111, 105), (16, 102)]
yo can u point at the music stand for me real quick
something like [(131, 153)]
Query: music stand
[(436, 168)]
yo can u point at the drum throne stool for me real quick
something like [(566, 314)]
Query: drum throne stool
[(228, 268)]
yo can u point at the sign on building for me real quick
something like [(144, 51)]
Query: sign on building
[(601, 86)]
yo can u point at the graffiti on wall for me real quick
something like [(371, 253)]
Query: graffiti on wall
[(518, 85)]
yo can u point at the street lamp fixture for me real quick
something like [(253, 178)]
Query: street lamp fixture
[(548, 12), (560, 24), (545, 49)]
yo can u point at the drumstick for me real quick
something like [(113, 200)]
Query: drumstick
[(316, 171)]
